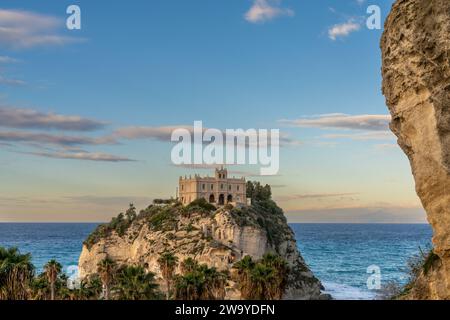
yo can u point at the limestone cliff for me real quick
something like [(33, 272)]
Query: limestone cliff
[(217, 238), (416, 82)]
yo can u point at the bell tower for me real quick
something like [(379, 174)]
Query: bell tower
[(221, 174)]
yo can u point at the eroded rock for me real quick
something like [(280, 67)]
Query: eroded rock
[(218, 240), (416, 83)]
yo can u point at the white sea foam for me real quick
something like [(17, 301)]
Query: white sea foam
[(345, 292)]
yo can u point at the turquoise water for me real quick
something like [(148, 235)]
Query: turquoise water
[(338, 254)]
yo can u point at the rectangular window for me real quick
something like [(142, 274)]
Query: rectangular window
[(221, 187), (229, 187), (212, 187), (237, 188), (203, 186)]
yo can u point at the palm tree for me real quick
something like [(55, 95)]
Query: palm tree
[(189, 286), (167, 263), (261, 278), (106, 269), (39, 288), (52, 270), (134, 283), (244, 267), (264, 280), (215, 283), (188, 265), (199, 282), (91, 288), (16, 273), (281, 270), (82, 292)]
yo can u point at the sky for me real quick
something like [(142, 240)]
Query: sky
[(86, 115)]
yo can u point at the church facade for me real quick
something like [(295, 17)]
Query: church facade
[(218, 190)]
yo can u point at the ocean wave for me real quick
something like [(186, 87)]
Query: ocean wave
[(345, 292)]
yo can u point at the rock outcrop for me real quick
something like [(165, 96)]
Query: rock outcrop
[(416, 82), (218, 239)]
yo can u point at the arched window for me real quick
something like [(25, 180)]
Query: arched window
[(229, 198), (221, 200)]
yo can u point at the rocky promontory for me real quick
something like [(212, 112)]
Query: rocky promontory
[(215, 237), (416, 82)]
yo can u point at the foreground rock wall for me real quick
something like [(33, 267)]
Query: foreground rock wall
[(416, 82)]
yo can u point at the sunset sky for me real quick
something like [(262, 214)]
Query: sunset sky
[(86, 115)]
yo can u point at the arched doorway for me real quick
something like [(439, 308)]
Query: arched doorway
[(212, 199), (221, 200), (229, 198)]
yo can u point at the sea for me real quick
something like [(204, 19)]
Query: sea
[(343, 256)]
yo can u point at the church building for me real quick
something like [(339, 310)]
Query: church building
[(218, 190)]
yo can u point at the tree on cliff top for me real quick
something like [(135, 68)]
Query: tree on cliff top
[(257, 192)]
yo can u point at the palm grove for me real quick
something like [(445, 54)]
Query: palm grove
[(263, 279)]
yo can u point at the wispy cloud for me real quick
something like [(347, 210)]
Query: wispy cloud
[(265, 10), (6, 59), (30, 124), (362, 136), (115, 200), (32, 119), (315, 196), (158, 133), (11, 82), (53, 139), (25, 29), (343, 29), (343, 121), (94, 156), (164, 133)]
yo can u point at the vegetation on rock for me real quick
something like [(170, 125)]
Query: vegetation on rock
[(265, 279), (119, 224), (199, 282), (418, 265)]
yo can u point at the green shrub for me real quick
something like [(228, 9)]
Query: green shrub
[(162, 220), (201, 203), (119, 224)]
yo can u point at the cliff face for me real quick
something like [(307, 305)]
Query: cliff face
[(416, 82), (217, 239)]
